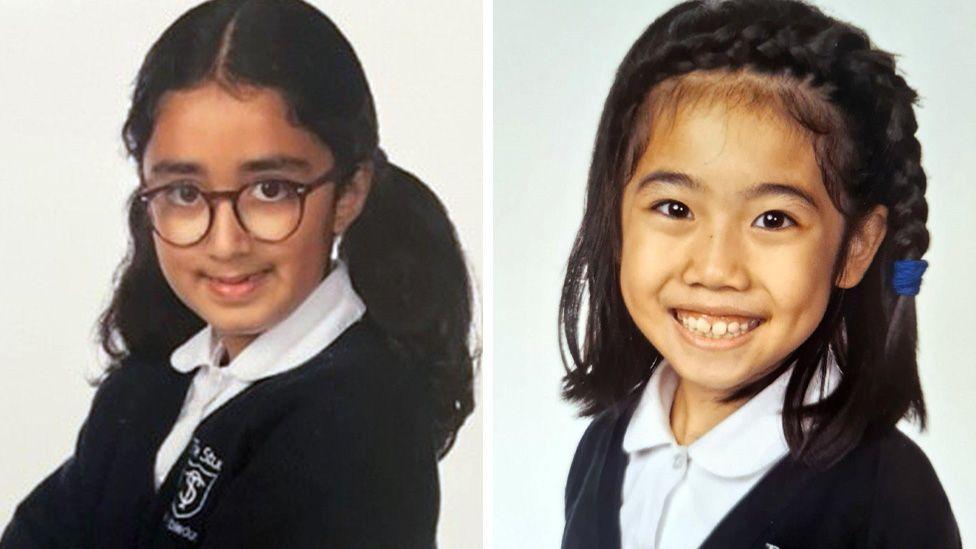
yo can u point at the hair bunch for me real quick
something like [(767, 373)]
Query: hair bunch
[(863, 125)]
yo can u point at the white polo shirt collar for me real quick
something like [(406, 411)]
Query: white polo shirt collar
[(753, 433)]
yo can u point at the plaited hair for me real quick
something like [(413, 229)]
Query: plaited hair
[(833, 82)]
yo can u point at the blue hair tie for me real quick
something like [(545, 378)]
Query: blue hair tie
[(908, 275)]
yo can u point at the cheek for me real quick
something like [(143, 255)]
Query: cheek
[(305, 254), (633, 265), (799, 284), (178, 268), (643, 263), (175, 264)]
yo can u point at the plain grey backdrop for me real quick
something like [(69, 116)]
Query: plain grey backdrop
[(554, 61), (66, 73)]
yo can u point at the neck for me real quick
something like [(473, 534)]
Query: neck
[(696, 411), (234, 344)]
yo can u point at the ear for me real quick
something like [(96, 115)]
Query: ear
[(863, 246), (352, 198)]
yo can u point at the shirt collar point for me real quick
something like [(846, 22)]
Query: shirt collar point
[(649, 427), (193, 353)]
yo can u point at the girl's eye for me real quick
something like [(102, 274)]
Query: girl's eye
[(673, 209), (183, 194), (272, 191), (775, 220)]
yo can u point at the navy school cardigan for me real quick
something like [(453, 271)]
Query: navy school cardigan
[(337, 453), (883, 494)]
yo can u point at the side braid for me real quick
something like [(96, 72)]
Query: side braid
[(860, 115), (904, 194)]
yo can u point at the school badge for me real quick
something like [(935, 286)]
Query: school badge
[(198, 477)]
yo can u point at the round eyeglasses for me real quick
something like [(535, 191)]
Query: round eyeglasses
[(269, 210)]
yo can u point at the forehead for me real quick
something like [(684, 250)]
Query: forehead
[(210, 125), (733, 129), (729, 146)]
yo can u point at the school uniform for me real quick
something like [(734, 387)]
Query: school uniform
[(316, 435), (632, 486)]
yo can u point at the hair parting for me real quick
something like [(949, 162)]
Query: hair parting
[(403, 253)]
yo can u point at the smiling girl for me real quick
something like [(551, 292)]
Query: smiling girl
[(745, 271), (290, 328)]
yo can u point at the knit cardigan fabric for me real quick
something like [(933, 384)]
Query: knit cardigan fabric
[(338, 452)]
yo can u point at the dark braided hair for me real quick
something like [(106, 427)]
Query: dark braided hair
[(863, 125)]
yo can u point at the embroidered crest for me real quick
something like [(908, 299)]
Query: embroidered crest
[(197, 478)]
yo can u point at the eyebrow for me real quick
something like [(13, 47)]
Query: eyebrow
[(762, 189), (276, 163), (279, 162)]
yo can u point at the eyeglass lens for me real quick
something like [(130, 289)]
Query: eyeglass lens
[(268, 210)]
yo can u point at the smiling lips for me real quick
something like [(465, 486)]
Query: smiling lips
[(725, 327), (237, 286)]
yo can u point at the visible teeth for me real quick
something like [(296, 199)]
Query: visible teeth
[(720, 329), (702, 326)]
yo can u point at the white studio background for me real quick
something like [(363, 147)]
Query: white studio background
[(66, 74), (554, 61)]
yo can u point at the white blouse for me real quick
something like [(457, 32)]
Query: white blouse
[(673, 495), (327, 312)]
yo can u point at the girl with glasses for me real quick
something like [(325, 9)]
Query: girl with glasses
[(290, 329)]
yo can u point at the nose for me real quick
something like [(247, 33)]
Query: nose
[(717, 259), (227, 238)]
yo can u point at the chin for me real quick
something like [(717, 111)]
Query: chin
[(236, 327), (717, 379), (239, 321)]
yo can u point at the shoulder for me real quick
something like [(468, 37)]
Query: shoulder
[(605, 425), (900, 464), (361, 370), (897, 450), (909, 506), (125, 399), (597, 436), (130, 380), (883, 493), (360, 398), (596, 443)]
